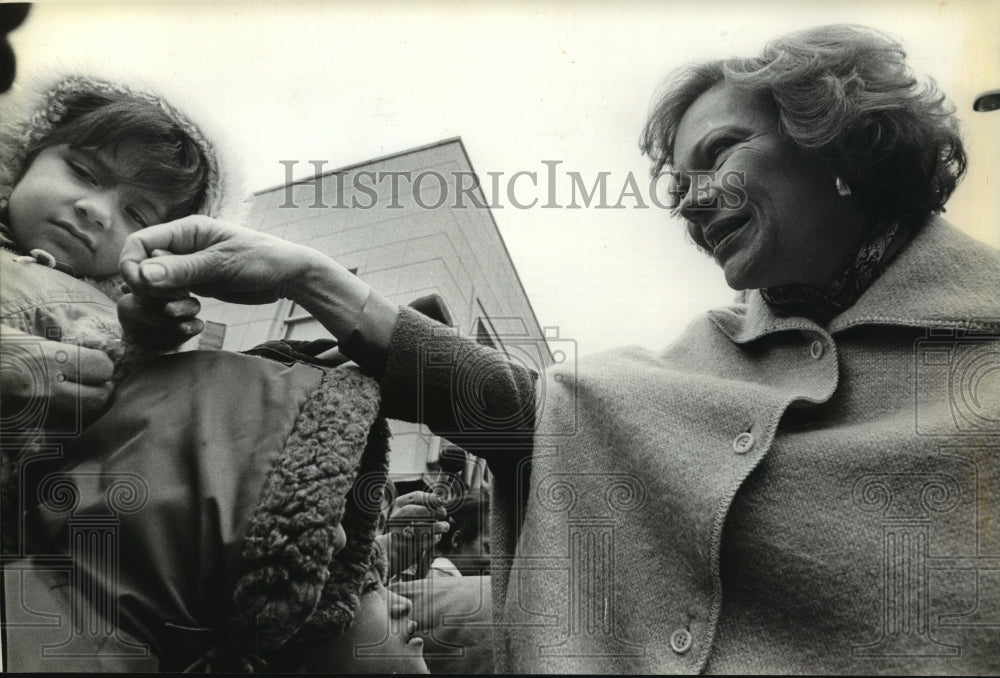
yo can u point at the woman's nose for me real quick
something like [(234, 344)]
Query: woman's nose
[(399, 606), (698, 201), (97, 209)]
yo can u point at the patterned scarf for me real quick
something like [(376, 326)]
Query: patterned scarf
[(866, 266)]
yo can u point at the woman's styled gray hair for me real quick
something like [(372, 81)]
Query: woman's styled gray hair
[(844, 93)]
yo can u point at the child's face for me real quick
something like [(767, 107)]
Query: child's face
[(380, 639), (69, 204)]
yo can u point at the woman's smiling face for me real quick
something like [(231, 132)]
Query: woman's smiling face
[(788, 225)]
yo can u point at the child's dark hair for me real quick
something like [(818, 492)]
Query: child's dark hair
[(171, 163)]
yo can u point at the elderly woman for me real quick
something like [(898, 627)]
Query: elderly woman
[(806, 480)]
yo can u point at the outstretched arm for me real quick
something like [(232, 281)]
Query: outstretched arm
[(238, 265), (470, 394)]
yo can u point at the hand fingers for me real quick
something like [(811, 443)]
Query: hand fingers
[(37, 368), (135, 313), (418, 513), (414, 541), (60, 393), (76, 364), (138, 284), (398, 522), (186, 307), (64, 378), (177, 237), (162, 326), (419, 529), (436, 526), (167, 292), (150, 257), (153, 312), (418, 497), (425, 499), (169, 276)]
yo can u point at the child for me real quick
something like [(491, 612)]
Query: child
[(90, 163), (93, 162), (237, 530), (382, 638)]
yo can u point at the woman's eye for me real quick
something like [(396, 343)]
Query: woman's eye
[(718, 148), (371, 586)]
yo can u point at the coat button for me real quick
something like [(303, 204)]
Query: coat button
[(816, 349), (743, 443), (680, 641)]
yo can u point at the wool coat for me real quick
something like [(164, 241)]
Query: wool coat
[(766, 495)]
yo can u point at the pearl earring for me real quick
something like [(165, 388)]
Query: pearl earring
[(843, 190)]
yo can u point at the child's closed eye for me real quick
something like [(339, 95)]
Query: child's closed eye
[(82, 171), (138, 217)]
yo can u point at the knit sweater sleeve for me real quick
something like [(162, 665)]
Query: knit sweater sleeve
[(470, 394)]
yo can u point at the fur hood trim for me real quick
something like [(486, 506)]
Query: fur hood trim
[(30, 112)]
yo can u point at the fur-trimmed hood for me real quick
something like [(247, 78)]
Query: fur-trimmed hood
[(29, 112)]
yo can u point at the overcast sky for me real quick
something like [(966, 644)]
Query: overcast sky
[(521, 83)]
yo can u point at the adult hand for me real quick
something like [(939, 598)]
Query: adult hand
[(211, 258), (160, 324), (416, 523), (42, 379), (214, 259), (430, 502)]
